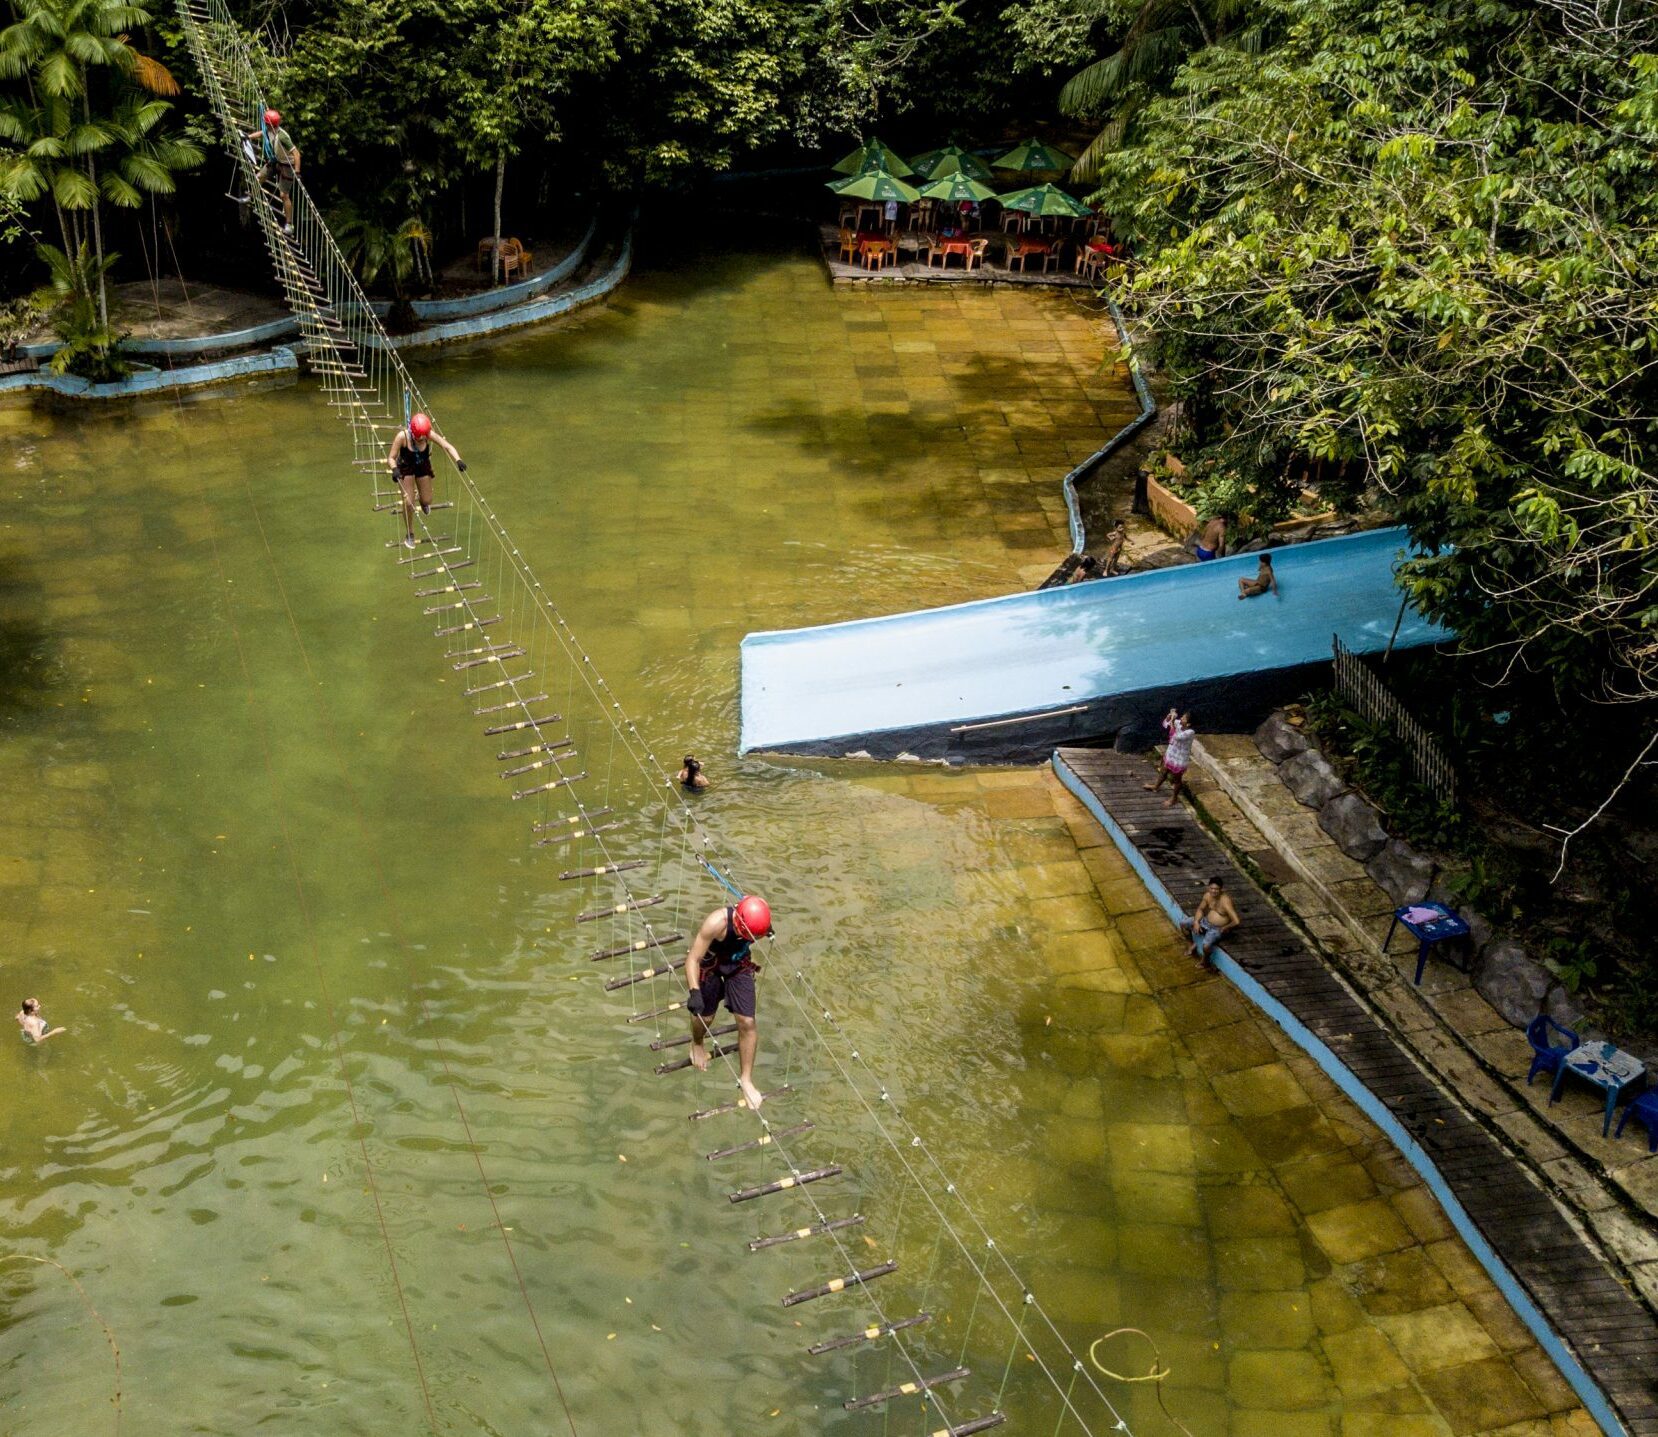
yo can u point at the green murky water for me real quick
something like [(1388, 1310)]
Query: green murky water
[(345, 1129)]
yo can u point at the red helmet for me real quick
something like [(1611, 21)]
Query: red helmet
[(273, 118), (752, 918), (420, 426)]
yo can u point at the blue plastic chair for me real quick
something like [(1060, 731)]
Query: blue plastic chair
[(1645, 1108), (1545, 1057)]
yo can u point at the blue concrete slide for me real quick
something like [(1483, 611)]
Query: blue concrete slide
[(1010, 677)]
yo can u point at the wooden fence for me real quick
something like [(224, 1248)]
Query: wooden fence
[(1357, 685)]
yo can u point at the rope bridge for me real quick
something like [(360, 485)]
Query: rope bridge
[(517, 658)]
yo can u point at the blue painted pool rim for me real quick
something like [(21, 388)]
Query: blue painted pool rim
[(1588, 1392)]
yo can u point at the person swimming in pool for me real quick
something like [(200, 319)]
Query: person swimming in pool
[(692, 776), (33, 1022)]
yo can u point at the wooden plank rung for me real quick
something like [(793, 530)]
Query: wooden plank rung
[(906, 1389), (574, 834), (473, 693), (507, 651), (679, 1065), (740, 1105), (817, 1229), (555, 753), (448, 589), (967, 1429), (467, 627), (629, 979), (765, 1140), (549, 786), (441, 569), (794, 1180), (869, 1334), (521, 724), (684, 1038), (599, 872), (547, 825), (639, 945), (633, 905), (856, 1278)]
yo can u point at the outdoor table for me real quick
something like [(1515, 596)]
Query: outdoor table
[(1428, 923), (1604, 1066), (874, 245), (955, 246)]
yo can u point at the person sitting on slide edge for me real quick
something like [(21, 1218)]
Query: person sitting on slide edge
[(718, 968)]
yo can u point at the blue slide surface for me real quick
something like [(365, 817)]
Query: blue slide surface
[(913, 677)]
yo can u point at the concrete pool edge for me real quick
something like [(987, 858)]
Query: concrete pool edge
[(1588, 1391)]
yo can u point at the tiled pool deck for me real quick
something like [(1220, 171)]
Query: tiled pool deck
[(1301, 1278)]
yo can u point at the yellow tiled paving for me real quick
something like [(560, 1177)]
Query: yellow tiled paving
[(1211, 1186)]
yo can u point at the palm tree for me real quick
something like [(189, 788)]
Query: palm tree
[(1162, 34), (372, 250), (51, 146), (54, 46), (88, 343)]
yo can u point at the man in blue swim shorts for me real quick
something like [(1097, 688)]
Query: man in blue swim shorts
[(1211, 543)]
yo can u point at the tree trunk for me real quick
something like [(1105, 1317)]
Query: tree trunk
[(98, 244), (500, 189), (1202, 29)]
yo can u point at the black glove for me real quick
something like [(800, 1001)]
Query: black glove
[(461, 465), (694, 1004)]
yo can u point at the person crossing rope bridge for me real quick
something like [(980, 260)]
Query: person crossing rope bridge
[(279, 157), (410, 462), (719, 967)]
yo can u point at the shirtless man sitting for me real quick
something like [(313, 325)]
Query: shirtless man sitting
[(1211, 543), (1214, 918), (1264, 579)]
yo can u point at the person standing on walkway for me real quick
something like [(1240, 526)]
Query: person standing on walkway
[(718, 968), (1176, 757), (410, 462), (279, 157)]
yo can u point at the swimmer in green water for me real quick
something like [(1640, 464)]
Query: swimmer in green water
[(33, 1023)]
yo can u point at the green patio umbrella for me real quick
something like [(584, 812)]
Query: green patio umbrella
[(872, 153), (954, 189), (875, 185), (1034, 155), (950, 160), (1045, 200)]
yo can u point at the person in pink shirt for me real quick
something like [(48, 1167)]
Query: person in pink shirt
[(1176, 757)]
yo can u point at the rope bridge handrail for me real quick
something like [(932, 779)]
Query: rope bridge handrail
[(509, 642)]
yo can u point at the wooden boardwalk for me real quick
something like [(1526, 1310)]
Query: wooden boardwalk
[(1609, 1331)]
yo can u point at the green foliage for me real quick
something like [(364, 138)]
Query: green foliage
[(1420, 238), (17, 317), (1379, 763), (87, 346), (80, 121)]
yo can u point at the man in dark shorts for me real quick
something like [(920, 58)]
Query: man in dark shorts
[(718, 969), (279, 157)]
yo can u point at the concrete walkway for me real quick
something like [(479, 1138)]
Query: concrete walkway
[(1555, 1276), (1612, 1186)]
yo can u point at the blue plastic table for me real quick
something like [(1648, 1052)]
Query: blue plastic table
[(1444, 925), (1606, 1067)]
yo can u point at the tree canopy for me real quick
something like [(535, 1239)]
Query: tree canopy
[(1420, 237)]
